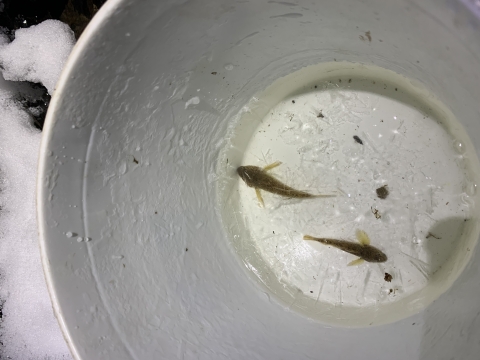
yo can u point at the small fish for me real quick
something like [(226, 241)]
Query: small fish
[(258, 178), (362, 249)]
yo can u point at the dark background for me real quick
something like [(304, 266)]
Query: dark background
[(25, 13), (18, 14)]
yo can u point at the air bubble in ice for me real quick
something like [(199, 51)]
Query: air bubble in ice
[(459, 147), (471, 189), (122, 169), (193, 101), (416, 240)]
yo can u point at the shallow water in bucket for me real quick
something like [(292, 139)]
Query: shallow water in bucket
[(405, 140)]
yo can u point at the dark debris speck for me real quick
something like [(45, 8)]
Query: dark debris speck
[(382, 192), (388, 277), (357, 139), (429, 235), (2, 302)]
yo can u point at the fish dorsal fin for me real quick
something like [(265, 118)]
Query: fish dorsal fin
[(362, 237), (356, 262)]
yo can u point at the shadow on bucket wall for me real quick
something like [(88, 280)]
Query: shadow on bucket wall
[(451, 324)]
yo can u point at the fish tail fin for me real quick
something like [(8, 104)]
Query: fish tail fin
[(308, 237), (356, 262), (333, 193), (324, 195)]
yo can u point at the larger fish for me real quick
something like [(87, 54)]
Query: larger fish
[(362, 249), (258, 178)]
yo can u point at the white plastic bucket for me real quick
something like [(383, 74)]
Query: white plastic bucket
[(138, 254)]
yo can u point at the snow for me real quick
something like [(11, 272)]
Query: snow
[(38, 53), (28, 329)]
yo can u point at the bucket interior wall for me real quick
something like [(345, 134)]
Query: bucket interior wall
[(130, 160)]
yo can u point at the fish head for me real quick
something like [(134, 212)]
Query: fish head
[(247, 173), (378, 257)]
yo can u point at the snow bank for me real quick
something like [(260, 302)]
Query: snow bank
[(38, 53), (28, 328)]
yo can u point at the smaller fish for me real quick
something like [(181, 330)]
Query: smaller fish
[(362, 249), (258, 178)]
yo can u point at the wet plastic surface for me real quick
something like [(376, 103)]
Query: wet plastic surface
[(143, 109), (408, 143)]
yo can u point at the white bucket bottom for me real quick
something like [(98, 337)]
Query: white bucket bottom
[(402, 170)]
